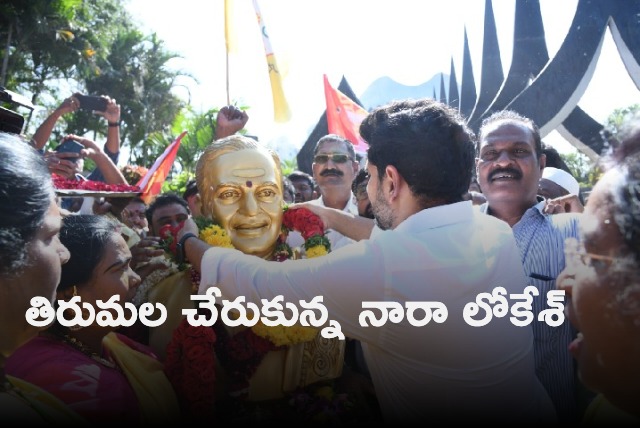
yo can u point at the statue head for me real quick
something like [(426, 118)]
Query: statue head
[(240, 185)]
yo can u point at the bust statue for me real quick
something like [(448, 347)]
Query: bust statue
[(240, 188)]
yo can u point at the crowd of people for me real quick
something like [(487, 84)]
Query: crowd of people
[(434, 215)]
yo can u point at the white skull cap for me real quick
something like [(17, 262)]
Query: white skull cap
[(563, 179)]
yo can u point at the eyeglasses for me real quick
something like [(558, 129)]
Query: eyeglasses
[(491, 155), (335, 157), (576, 255)]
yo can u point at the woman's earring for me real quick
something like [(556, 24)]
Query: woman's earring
[(84, 311)]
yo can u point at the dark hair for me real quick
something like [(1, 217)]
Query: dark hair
[(164, 200), (512, 116), (627, 207), (553, 159), (191, 189), (86, 237), (25, 197), (288, 187), (301, 175), (333, 137), (361, 177), (137, 199), (428, 142)]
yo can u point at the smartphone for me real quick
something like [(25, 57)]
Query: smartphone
[(69, 146), (92, 103)]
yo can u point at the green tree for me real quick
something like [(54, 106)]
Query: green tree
[(581, 167), (615, 119), (201, 128), (91, 47), (288, 166), (135, 73), (48, 41), (177, 184)]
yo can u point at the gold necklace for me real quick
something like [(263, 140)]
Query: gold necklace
[(77, 344)]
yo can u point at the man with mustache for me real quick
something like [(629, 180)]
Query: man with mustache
[(509, 166), (334, 168), (433, 248)]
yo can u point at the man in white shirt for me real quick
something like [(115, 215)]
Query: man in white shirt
[(334, 168), (434, 247)]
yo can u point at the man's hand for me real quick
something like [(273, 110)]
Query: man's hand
[(230, 119), (189, 226), (112, 113), (563, 204), (62, 163), (90, 150), (319, 210), (145, 250), (350, 225), (69, 105)]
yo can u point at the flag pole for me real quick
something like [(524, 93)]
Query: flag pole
[(227, 37)]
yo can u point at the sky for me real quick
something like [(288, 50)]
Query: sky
[(408, 41)]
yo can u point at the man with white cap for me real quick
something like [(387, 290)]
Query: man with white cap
[(557, 182)]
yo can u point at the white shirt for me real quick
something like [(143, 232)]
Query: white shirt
[(450, 371)]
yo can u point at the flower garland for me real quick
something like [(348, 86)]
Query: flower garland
[(190, 367), (310, 227), (316, 244), (142, 291), (133, 173), (242, 353), (302, 220)]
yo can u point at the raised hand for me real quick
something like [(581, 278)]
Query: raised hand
[(230, 119)]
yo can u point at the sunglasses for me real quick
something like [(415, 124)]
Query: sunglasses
[(335, 157)]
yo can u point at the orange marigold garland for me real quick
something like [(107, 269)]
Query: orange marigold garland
[(242, 353)]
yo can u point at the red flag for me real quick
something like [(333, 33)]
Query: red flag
[(151, 183), (344, 116)]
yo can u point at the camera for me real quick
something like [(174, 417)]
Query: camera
[(92, 103)]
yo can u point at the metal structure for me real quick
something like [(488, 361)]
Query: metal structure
[(543, 89)]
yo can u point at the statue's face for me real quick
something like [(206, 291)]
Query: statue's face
[(245, 198)]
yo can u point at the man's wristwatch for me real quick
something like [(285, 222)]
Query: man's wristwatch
[(181, 256)]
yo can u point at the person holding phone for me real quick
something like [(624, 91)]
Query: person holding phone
[(75, 160), (62, 163), (70, 164)]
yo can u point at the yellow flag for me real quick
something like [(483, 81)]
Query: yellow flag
[(230, 38), (281, 110)]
